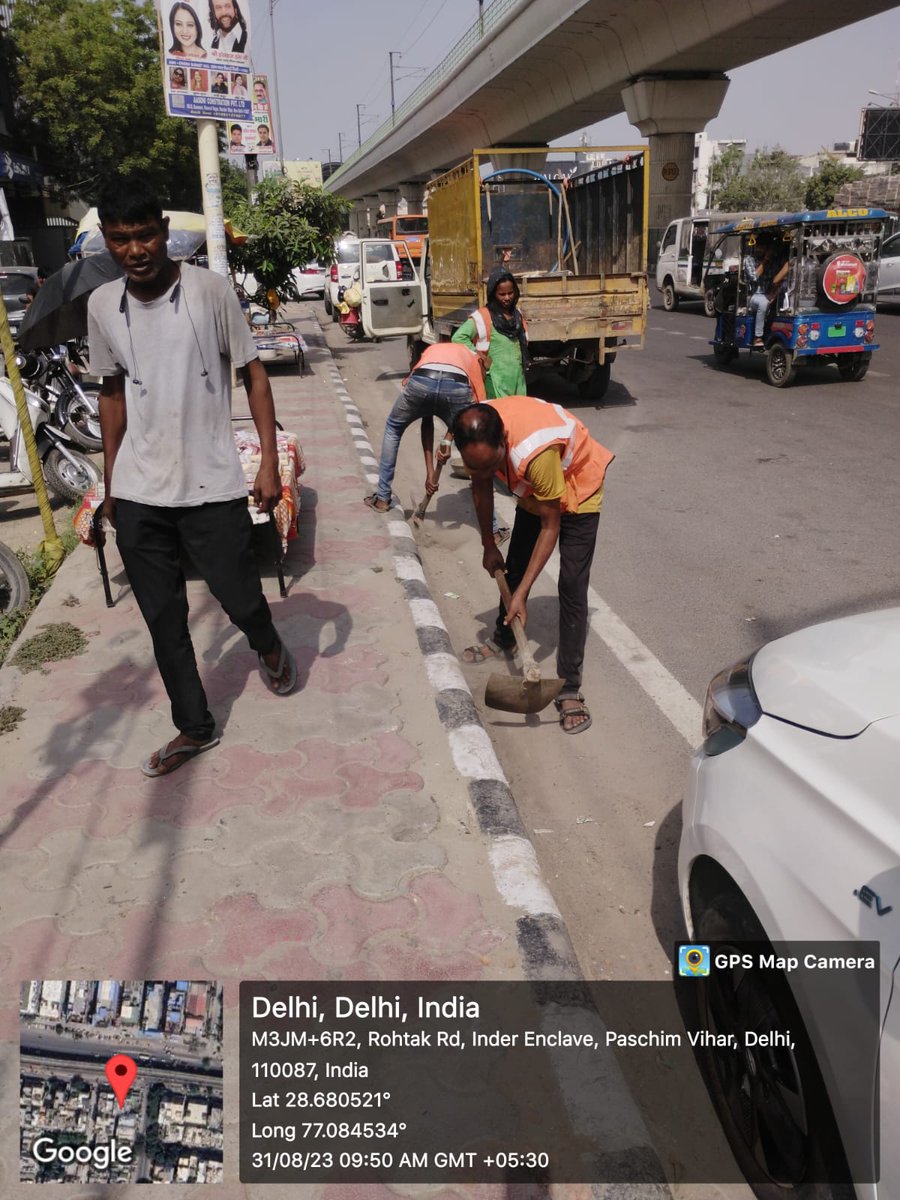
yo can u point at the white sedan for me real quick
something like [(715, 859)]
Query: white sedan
[(791, 833)]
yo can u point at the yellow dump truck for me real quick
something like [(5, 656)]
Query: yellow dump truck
[(576, 246)]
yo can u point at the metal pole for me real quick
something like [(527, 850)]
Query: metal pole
[(340, 148), (359, 127), (391, 54), (211, 183), (280, 145), (481, 18)]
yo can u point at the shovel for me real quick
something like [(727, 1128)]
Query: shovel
[(419, 513), (527, 695)]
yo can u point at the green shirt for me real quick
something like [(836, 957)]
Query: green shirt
[(506, 376)]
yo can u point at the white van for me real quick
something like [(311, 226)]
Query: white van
[(682, 272)]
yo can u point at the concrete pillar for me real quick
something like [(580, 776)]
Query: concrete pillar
[(412, 197), (359, 218), (371, 215), (669, 110), (387, 203)]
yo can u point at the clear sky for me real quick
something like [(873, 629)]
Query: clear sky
[(333, 55)]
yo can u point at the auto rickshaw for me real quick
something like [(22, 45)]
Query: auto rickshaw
[(822, 306)]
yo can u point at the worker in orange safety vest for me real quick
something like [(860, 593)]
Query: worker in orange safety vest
[(556, 471)]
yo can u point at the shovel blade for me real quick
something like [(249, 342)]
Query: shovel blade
[(510, 694)]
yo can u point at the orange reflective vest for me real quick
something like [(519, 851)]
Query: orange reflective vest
[(533, 426), (453, 354), (481, 319)]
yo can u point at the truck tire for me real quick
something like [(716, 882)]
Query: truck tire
[(14, 587), (596, 384), (778, 1151), (415, 348), (70, 480), (669, 296)]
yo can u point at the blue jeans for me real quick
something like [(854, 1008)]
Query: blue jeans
[(423, 396), (759, 304)]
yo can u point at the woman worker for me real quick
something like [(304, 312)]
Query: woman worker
[(498, 333)]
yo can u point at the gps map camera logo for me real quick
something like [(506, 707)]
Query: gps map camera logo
[(693, 960)]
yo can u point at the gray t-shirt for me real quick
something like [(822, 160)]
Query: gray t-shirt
[(178, 448)]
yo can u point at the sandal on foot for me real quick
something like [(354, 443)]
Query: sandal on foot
[(165, 754), (375, 502), (272, 676), (502, 535), (580, 710), (486, 651)]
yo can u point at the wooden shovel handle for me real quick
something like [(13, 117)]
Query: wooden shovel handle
[(427, 498), (529, 666)]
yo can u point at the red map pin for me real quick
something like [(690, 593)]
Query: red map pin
[(121, 1072)]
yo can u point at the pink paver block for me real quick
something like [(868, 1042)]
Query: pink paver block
[(352, 921)]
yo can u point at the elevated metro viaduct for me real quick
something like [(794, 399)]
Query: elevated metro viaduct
[(535, 70)]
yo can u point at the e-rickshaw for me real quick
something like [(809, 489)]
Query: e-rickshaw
[(823, 308)]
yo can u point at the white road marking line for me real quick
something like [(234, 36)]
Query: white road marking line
[(878, 375), (673, 700), (675, 332)]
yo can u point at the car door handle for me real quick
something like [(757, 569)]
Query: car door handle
[(380, 302)]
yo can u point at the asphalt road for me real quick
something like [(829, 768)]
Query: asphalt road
[(735, 512)]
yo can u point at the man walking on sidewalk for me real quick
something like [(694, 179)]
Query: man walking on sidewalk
[(556, 471), (163, 341)]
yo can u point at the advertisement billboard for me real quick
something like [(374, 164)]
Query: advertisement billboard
[(205, 52), (255, 136)]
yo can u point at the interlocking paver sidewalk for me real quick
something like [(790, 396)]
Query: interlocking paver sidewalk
[(328, 836)]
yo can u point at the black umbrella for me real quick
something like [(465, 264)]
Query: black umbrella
[(58, 312)]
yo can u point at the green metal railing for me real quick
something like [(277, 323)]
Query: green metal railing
[(482, 28)]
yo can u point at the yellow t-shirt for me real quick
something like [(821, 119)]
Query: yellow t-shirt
[(545, 474)]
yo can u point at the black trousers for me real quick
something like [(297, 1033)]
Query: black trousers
[(217, 539), (577, 539)]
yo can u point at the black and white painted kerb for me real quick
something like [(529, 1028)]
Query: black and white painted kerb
[(544, 943), (543, 939)]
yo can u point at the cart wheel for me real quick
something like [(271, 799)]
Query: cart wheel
[(853, 367), (780, 367)]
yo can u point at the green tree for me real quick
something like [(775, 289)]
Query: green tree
[(823, 186), (89, 79), (722, 171), (771, 181), (234, 186), (288, 224)]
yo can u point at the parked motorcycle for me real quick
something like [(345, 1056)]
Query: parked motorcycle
[(14, 586), (69, 474), (74, 406), (349, 319)]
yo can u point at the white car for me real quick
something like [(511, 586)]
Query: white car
[(392, 264), (889, 270), (310, 280), (791, 833)]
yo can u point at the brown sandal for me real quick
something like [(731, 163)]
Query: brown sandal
[(581, 710), (375, 502), (486, 651)]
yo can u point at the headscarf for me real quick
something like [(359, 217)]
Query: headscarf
[(511, 324)]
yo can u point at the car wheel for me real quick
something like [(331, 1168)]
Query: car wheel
[(772, 1103), (853, 367), (780, 366), (327, 306), (335, 315), (669, 296)]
